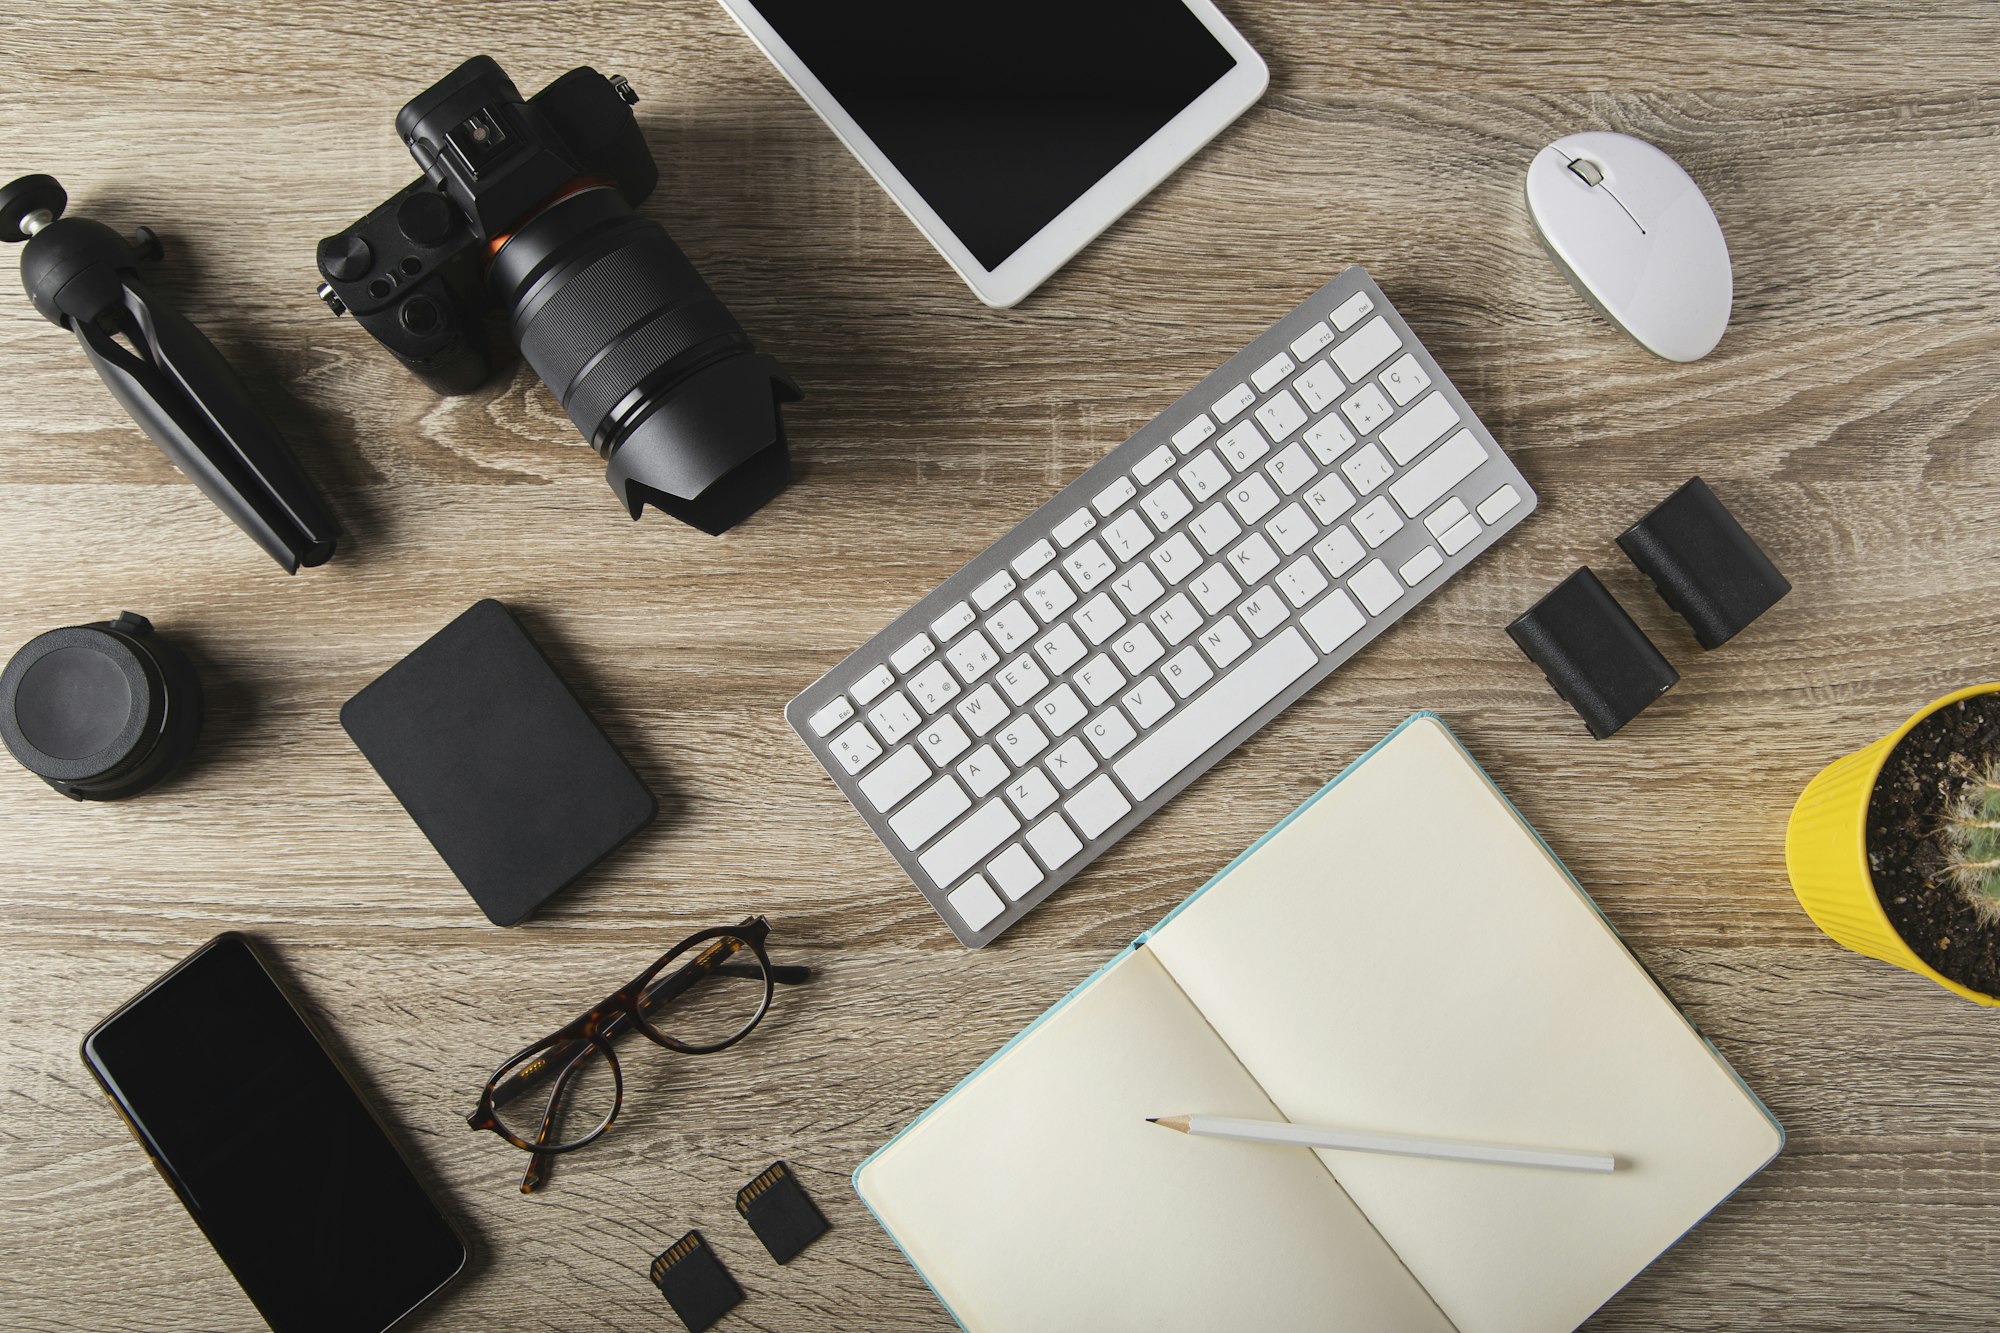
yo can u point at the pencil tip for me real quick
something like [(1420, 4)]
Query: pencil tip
[(1152, 1120)]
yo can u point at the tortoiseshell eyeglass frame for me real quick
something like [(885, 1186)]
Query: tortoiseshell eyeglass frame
[(564, 1051)]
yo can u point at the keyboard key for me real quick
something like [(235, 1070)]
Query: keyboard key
[(1231, 404), (1153, 466), (1108, 733), (1329, 498), (943, 740), (974, 902), (1367, 469), (1060, 649), (1055, 842), (988, 594), (1215, 588), (1176, 618), (1419, 428), (1112, 497), (1011, 626), (1147, 701), (1377, 588), (1329, 438), (1253, 559), (1060, 710), (1224, 642), (1051, 595), (1014, 872), (951, 622), (1366, 348), (1314, 338), (1198, 728), (1405, 379), (1100, 619), (1022, 679), (855, 748), (1334, 621), (934, 687), (1138, 587), (911, 653), (1097, 807), (1021, 740), (1099, 679), (970, 843), (1071, 763), (831, 716), (972, 657), (1272, 373), (1243, 446), (1290, 528), (1445, 516), (1204, 476), (1446, 466), (869, 688), (1032, 793), (983, 770), (1318, 387), (1215, 527), (1032, 560), (982, 710), (1421, 566), (1292, 468), (893, 718), (1128, 535), (1500, 502), (1252, 498), (1167, 506), (895, 777), (1340, 551), (1074, 527), (1138, 648), (1301, 581), (1367, 409), (1281, 416), (926, 816), (1460, 536), (1377, 521), (1089, 565), (1352, 311), (1188, 436), (1263, 611), (1187, 671)]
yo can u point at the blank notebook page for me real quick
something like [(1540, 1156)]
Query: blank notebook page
[(1441, 975), (1038, 1197)]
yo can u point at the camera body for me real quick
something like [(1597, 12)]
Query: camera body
[(527, 206)]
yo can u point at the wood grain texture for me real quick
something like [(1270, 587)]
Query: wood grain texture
[(1850, 417)]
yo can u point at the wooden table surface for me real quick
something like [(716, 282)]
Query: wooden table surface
[(1850, 418)]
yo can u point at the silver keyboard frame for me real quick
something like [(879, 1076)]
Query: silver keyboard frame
[(1490, 476)]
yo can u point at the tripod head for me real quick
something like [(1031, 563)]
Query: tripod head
[(84, 277)]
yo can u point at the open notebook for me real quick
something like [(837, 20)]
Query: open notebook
[(1402, 953)]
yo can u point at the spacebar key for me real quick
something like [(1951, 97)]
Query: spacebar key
[(1225, 706)]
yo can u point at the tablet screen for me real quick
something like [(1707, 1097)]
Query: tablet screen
[(1003, 112)]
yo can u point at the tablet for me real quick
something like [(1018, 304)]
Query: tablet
[(1013, 131)]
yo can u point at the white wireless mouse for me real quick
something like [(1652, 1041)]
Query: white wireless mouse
[(1635, 235)]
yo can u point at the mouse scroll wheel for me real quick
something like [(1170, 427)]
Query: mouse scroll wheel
[(1587, 171)]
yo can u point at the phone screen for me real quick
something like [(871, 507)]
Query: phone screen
[(270, 1147)]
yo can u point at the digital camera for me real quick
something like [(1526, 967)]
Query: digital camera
[(528, 206)]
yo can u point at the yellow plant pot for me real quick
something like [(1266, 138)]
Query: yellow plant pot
[(1826, 854)]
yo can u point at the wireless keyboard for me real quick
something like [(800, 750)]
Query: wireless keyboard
[(1010, 727)]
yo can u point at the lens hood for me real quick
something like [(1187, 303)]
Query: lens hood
[(714, 451)]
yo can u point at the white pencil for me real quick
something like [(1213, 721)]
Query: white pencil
[(1401, 1145)]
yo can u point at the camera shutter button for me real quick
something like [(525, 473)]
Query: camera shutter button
[(345, 258), (424, 218)]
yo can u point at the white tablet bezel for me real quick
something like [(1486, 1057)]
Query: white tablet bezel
[(1091, 212)]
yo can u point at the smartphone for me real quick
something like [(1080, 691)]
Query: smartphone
[(271, 1149)]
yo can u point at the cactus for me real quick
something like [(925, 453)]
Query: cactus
[(1972, 842)]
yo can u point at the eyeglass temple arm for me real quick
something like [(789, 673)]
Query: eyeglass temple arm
[(540, 1163)]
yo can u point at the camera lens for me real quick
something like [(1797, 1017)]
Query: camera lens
[(650, 366)]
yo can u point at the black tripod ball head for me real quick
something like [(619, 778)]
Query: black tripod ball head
[(61, 249)]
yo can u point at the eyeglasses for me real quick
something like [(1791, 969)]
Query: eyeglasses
[(704, 995)]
